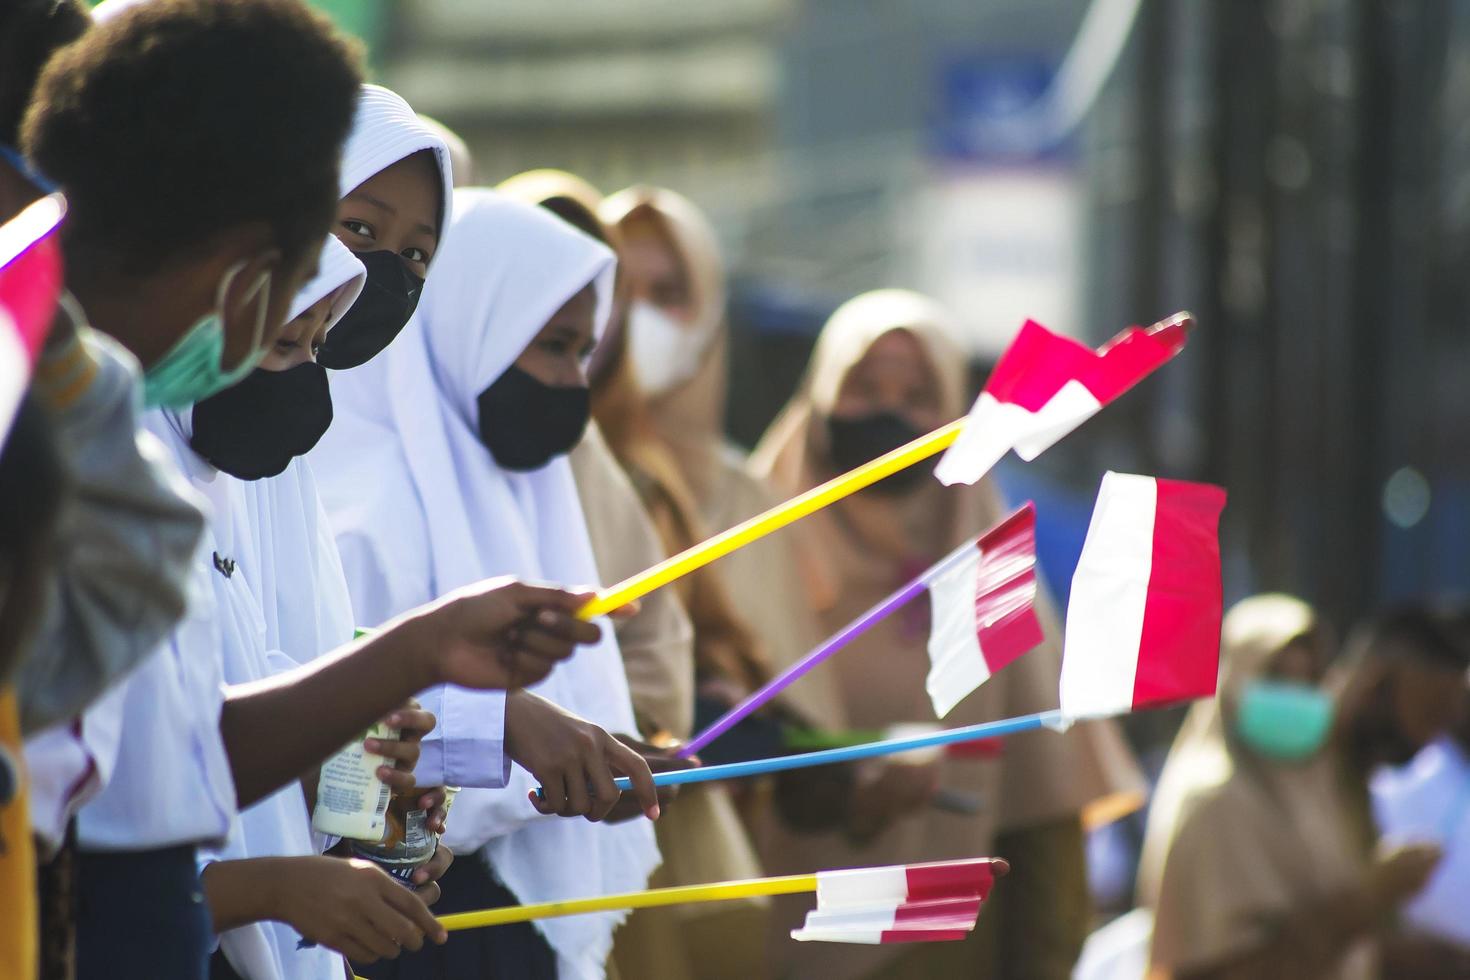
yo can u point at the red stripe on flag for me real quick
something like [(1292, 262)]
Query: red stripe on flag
[(29, 287), (1038, 363), (30, 270), (1179, 651), (950, 879), (1005, 590), (934, 921)]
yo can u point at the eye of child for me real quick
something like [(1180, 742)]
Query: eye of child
[(361, 228), (415, 254)]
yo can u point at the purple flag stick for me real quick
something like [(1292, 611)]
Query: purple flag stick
[(836, 642)]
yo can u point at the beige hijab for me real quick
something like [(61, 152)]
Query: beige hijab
[(761, 580), (1234, 840), (691, 417), (865, 547)]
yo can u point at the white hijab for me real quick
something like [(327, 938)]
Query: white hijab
[(385, 130), (248, 605), (286, 549), (503, 270)]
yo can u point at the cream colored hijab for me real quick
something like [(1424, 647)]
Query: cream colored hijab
[(691, 417), (862, 549), (1203, 752), (1234, 840)]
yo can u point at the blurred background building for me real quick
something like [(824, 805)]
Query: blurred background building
[(1296, 172)]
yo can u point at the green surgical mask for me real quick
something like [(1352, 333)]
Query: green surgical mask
[(192, 370), (1283, 720)]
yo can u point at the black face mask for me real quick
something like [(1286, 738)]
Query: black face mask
[(253, 430), (525, 423), (858, 440), (388, 299)]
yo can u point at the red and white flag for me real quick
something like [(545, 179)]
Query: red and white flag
[(1143, 619), (983, 610), (30, 284), (900, 904), (1044, 386)]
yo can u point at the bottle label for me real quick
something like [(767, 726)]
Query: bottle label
[(351, 801)]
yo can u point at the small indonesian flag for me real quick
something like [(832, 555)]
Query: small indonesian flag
[(30, 283), (984, 611), (1143, 620), (900, 904), (1044, 386)]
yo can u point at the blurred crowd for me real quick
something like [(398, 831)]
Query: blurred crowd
[(332, 434)]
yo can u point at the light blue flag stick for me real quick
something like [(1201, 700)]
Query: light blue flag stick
[(736, 770)]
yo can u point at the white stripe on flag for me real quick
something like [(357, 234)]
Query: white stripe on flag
[(1109, 593), (847, 925), (995, 427), (957, 665), (862, 886), (15, 372), (1067, 409)]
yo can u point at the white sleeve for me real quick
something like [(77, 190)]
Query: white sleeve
[(467, 746)]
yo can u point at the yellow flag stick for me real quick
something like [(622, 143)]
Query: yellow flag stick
[(772, 520), (798, 507), (720, 892)]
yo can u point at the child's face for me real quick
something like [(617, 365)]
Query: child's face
[(558, 354), (395, 210), (302, 337)]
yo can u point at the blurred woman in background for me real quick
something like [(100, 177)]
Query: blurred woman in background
[(886, 370), (1261, 858), (660, 397)]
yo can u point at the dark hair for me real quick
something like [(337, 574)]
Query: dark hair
[(177, 119), (1413, 633), (576, 214), (30, 32)]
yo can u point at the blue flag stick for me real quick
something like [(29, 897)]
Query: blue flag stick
[(851, 753)]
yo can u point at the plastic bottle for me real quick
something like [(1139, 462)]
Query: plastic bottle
[(409, 844), (351, 801)]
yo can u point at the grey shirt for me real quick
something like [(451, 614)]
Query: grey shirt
[(126, 535)]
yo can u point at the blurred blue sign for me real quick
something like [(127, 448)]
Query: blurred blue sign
[(992, 108)]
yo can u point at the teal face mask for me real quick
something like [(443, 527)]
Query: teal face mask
[(1282, 719), (191, 371)]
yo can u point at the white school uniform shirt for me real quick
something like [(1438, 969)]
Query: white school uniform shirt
[(1429, 800), (70, 761), (438, 513), (170, 782)]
